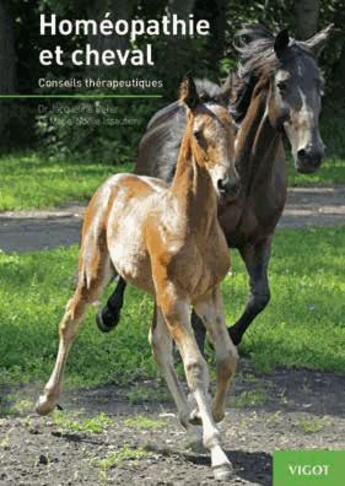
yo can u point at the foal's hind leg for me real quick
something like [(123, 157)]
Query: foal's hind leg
[(210, 310), (161, 344), (92, 276)]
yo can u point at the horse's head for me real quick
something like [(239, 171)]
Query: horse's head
[(212, 135), (295, 97), (287, 71)]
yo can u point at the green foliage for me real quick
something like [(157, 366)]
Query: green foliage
[(106, 131), (206, 56), (302, 326)]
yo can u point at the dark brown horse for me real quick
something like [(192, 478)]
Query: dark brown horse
[(277, 92)]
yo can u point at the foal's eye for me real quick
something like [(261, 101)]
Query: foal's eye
[(282, 86), (198, 135)]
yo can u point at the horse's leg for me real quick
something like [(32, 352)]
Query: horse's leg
[(177, 316), (256, 257), (109, 316), (92, 276), (199, 331), (161, 344), (211, 312)]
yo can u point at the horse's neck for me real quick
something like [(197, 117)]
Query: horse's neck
[(193, 189), (257, 142)]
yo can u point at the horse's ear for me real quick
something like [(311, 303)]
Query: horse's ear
[(188, 92), (281, 42), (319, 40)]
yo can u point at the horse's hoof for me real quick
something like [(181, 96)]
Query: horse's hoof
[(222, 472), (218, 416), (106, 321), (234, 336), (44, 405)]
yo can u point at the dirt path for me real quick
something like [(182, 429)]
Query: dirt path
[(287, 409), (34, 230)]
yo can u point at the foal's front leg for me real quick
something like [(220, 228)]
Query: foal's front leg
[(176, 314), (211, 312)]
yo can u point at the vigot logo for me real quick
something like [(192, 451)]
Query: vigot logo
[(309, 470)]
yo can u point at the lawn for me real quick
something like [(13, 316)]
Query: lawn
[(29, 181), (302, 327)]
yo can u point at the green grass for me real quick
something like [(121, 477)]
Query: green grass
[(93, 425), (331, 172), (32, 181), (302, 327), (126, 453), (140, 422), (314, 425)]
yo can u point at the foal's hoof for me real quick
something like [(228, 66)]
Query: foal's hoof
[(106, 320), (195, 418), (44, 405), (222, 472)]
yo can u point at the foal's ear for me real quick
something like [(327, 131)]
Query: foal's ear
[(281, 42), (319, 40), (188, 92)]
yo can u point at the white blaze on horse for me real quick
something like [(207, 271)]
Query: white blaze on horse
[(167, 241)]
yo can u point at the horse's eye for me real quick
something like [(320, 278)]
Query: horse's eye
[(198, 135), (282, 85)]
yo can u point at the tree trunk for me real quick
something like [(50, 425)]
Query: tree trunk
[(7, 61), (307, 17), (119, 9), (181, 7)]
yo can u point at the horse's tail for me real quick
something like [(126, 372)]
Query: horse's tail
[(109, 317)]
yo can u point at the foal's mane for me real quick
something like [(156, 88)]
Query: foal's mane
[(257, 58)]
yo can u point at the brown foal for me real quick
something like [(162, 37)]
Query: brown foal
[(168, 242)]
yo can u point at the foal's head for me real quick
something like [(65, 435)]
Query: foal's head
[(295, 87), (211, 137)]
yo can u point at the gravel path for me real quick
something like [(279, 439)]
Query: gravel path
[(36, 230)]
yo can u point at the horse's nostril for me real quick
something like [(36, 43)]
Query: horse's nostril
[(222, 184), (302, 154)]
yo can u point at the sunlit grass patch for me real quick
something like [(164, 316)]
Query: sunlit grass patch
[(142, 422), (31, 181), (92, 425), (125, 453), (302, 327)]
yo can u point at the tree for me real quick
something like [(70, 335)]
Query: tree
[(307, 17), (7, 60)]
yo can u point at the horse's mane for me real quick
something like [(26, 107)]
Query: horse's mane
[(255, 47)]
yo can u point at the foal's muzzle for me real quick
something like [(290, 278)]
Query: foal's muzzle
[(229, 187)]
